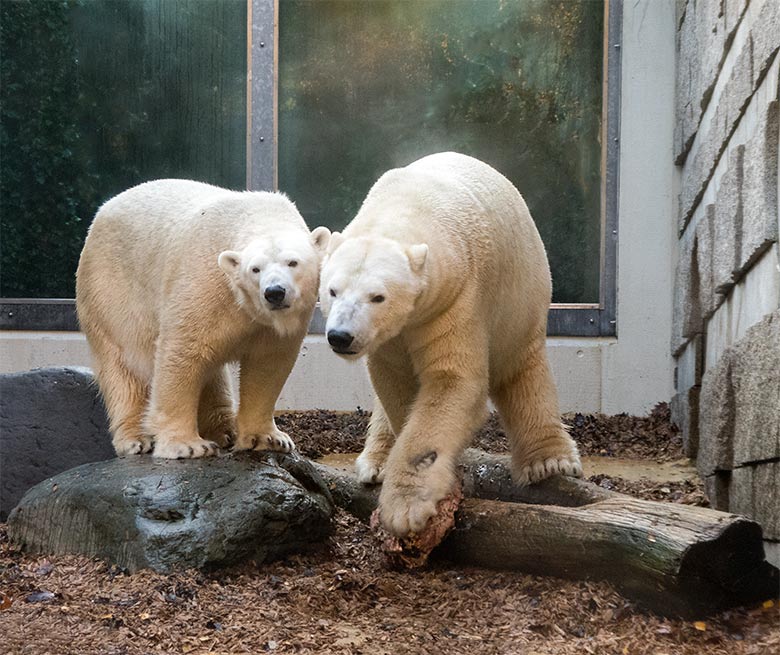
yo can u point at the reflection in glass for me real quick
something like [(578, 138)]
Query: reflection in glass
[(97, 96), (368, 85)]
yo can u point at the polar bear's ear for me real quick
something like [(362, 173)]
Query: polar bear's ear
[(320, 238), (229, 260), (336, 239), (417, 255)]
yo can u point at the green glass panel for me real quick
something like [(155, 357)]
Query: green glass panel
[(99, 95), (368, 85)]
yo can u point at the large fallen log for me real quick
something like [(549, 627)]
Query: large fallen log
[(673, 559)]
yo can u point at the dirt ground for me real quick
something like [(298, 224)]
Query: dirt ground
[(342, 598)]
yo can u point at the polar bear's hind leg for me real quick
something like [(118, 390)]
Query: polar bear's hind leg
[(125, 396), (370, 464), (216, 415), (173, 408), (528, 404)]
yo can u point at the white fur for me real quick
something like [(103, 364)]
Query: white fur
[(170, 287), (450, 246)]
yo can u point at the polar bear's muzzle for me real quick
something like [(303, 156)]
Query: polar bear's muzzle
[(340, 342), (275, 295)]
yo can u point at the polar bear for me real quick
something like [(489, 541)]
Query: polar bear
[(442, 281), (176, 279)]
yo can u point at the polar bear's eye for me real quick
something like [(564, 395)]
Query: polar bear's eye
[(255, 269), (332, 293), (292, 263), (378, 298)]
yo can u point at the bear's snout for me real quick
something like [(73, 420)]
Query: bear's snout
[(275, 294), (340, 340)]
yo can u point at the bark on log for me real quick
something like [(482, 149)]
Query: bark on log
[(674, 559)]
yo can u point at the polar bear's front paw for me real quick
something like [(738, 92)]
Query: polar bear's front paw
[(545, 468), (412, 490), (132, 446), (171, 449), (369, 469), (276, 440), (402, 514)]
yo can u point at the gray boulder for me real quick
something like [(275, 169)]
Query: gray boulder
[(51, 420), (756, 380), (139, 512)]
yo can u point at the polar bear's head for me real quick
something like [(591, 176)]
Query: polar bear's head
[(368, 289), (275, 278)]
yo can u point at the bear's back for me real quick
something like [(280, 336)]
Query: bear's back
[(464, 209), (167, 234), (171, 205), (471, 198), (158, 221), (480, 234)]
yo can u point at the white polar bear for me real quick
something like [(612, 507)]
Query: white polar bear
[(176, 279), (443, 281)]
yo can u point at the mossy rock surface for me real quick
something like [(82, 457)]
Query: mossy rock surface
[(139, 512)]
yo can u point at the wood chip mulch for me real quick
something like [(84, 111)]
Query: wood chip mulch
[(343, 599), (320, 432)]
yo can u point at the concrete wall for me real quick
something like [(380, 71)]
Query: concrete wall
[(637, 370), (321, 380), (726, 328), (627, 374)]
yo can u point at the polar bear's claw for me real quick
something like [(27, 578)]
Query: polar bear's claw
[(401, 517), (223, 435), (227, 439), (368, 471), (542, 469), (136, 446), (281, 442), (185, 449), (277, 441)]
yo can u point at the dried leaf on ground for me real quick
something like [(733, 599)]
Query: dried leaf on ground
[(343, 599)]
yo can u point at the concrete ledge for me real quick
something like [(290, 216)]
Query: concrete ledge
[(321, 380)]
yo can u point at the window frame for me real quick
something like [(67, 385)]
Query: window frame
[(564, 319)]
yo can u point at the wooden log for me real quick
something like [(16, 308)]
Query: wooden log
[(674, 559)]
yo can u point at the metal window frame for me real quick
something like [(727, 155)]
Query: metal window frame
[(581, 320)]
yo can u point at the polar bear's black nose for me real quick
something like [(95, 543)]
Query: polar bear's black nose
[(339, 340), (275, 294)]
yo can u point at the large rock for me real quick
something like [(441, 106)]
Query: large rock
[(765, 36), (755, 492), (687, 321), (716, 419), (705, 247), (759, 217), (739, 404), (716, 486), (703, 35), (685, 414), (685, 403), (755, 376), (748, 72), (51, 420), (728, 223), (139, 512)]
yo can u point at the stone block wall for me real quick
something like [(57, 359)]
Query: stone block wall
[(726, 322)]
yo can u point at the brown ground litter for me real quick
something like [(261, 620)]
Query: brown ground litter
[(342, 598), (320, 432)]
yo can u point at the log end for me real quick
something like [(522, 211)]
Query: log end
[(727, 570)]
